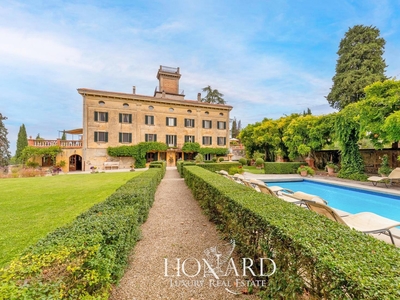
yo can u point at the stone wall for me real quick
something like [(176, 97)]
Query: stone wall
[(371, 158)]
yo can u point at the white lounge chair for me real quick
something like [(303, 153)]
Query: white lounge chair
[(366, 222), (394, 175)]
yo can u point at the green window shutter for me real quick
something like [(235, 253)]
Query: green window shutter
[(120, 137), (175, 122), (146, 120), (96, 136), (203, 138), (130, 137), (130, 118), (155, 137), (210, 124), (224, 141), (106, 137), (194, 122), (106, 116), (96, 116), (120, 118), (146, 137), (166, 122), (204, 125), (225, 127)]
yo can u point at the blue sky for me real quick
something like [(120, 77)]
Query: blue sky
[(268, 58)]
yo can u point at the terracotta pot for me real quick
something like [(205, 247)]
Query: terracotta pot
[(303, 173), (331, 171)]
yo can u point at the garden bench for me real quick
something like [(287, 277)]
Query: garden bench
[(111, 164)]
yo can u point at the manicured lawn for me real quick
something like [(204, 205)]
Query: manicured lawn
[(252, 169), (32, 207)]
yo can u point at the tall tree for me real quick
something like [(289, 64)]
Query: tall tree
[(5, 154), (213, 96), (360, 63), (234, 128), (64, 136), (22, 141)]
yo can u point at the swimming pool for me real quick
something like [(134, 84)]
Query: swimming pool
[(348, 199)]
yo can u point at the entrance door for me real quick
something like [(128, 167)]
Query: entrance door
[(171, 159), (75, 163)]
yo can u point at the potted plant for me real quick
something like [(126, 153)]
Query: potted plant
[(93, 169), (331, 167), (132, 166), (305, 170), (384, 170), (259, 163)]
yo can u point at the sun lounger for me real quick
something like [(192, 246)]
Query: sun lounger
[(395, 174), (300, 197), (366, 222)]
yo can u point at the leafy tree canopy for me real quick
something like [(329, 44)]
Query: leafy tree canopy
[(213, 96), (382, 99), (360, 63)]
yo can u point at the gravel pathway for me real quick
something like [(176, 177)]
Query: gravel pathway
[(177, 228)]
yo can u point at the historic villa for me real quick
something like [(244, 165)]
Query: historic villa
[(115, 119)]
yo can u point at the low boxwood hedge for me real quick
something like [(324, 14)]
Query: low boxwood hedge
[(211, 166), (314, 256), (83, 259), (181, 164), (282, 167)]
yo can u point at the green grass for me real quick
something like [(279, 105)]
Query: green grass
[(30, 208), (254, 170)]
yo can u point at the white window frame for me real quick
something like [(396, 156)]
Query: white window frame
[(170, 140)]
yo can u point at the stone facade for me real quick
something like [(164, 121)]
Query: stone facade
[(116, 119)]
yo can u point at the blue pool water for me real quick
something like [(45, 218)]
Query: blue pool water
[(348, 199)]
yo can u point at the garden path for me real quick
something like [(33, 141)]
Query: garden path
[(176, 228)]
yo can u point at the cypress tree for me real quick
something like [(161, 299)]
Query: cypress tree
[(22, 141), (360, 63), (5, 154)]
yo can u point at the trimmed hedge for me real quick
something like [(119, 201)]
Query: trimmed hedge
[(219, 166), (83, 259), (313, 255), (180, 164), (282, 167)]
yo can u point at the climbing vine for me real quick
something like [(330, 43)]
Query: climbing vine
[(347, 128), (32, 152), (191, 147), (138, 152)]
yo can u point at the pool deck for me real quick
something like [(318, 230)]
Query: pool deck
[(391, 190)]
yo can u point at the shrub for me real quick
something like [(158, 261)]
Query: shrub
[(32, 164), (235, 170), (214, 159), (384, 168), (221, 159), (243, 161), (259, 162), (81, 260), (181, 164), (199, 158), (282, 167), (314, 256)]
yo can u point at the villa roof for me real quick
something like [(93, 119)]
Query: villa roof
[(85, 91)]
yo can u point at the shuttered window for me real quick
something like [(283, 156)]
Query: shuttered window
[(207, 140), (125, 137), (101, 136), (100, 116), (125, 118)]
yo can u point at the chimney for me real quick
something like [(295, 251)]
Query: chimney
[(199, 97), (134, 90)]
